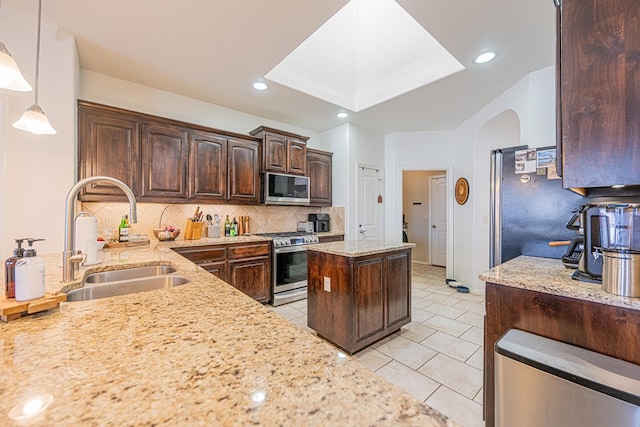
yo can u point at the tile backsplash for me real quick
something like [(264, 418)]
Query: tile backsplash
[(262, 219)]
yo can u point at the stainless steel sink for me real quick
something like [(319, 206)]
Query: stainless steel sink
[(124, 287), (129, 273)]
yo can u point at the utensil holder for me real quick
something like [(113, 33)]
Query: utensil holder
[(193, 230), (213, 230)]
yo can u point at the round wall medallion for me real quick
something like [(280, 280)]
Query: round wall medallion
[(462, 191)]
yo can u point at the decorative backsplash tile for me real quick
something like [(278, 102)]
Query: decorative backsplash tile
[(262, 219)]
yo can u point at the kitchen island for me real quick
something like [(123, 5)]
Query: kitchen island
[(201, 353), (359, 291), (537, 295)]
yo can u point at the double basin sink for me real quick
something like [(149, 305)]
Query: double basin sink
[(127, 281)]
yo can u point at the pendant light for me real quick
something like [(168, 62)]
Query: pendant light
[(10, 76), (34, 120)]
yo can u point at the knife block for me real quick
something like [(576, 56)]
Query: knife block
[(193, 230)]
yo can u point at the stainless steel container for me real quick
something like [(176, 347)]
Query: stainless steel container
[(621, 272)]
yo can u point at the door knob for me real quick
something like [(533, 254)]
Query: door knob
[(433, 226)]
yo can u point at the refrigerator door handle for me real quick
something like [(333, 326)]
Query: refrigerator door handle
[(495, 219)]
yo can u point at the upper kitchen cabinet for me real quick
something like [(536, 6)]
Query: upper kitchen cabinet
[(108, 145), (164, 162), (599, 93), (243, 171), (207, 161), (282, 151), (319, 173)]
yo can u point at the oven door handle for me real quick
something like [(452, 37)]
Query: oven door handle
[(288, 249)]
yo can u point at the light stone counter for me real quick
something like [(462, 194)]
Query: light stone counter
[(201, 353), (551, 277), (358, 248)]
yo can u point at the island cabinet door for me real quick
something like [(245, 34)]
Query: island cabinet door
[(398, 272), (369, 297)]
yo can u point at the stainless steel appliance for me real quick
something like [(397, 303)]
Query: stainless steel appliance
[(283, 189), (289, 282), (527, 210), (320, 222), (542, 382), (612, 247)]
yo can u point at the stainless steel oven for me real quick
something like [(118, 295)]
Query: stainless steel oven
[(289, 281)]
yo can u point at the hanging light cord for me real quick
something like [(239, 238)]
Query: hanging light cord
[(38, 48)]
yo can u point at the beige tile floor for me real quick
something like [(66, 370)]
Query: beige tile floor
[(438, 356)]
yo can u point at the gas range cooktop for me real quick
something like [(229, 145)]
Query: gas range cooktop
[(291, 238)]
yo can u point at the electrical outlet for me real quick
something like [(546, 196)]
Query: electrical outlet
[(327, 284)]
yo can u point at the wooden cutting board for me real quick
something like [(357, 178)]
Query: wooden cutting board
[(10, 309), (111, 245)]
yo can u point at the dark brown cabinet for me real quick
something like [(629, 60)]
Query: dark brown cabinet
[(164, 162), (356, 301), (212, 258), (330, 238), (599, 93), (605, 329), (243, 171), (207, 172), (320, 179), (245, 266), (282, 152), (110, 146)]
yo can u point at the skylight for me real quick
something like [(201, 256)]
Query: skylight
[(369, 52)]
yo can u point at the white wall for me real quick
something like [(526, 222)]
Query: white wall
[(350, 145), (416, 202), (413, 151), (366, 147), (133, 96), (40, 168), (531, 103)]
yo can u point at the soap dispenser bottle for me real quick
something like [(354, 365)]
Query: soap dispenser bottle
[(10, 270), (30, 274)]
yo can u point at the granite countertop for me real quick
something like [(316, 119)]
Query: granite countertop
[(201, 353), (357, 248), (551, 277)]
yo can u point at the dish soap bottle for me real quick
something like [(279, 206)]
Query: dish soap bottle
[(123, 229), (10, 270), (30, 274)]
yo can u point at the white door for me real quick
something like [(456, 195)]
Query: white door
[(369, 204), (438, 206)]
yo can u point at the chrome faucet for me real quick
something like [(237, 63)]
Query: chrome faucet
[(68, 258)]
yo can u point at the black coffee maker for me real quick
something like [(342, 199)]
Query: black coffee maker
[(593, 225), (606, 225), (320, 222)]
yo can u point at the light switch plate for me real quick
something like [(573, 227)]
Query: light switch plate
[(327, 284)]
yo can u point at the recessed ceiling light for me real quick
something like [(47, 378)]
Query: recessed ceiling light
[(260, 86), (485, 57), (342, 115)]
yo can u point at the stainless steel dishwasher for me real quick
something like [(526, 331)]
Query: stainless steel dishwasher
[(542, 382)]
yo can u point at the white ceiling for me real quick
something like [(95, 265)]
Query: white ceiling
[(213, 50)]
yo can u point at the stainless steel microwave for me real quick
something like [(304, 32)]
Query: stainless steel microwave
[(282, 189)]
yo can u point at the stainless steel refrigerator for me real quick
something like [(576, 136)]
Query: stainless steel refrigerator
[(528, 209)]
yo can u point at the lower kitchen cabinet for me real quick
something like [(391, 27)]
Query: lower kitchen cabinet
[(250, 269), (245, 266), (251, 277), (606, 329), (356, 301)]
